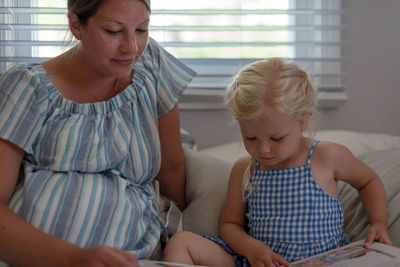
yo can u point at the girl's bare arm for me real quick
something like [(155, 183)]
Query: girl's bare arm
[(232, 226), (350, 169)]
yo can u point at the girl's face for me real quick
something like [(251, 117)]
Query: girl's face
[(273, 139), (114, 37)]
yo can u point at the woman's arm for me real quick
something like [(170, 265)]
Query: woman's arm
[(23, 245), (233, 222), (172, 175), (10, 163), (20, 242)]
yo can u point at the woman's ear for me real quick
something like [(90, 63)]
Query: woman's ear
[(306, 121), (74, 25)]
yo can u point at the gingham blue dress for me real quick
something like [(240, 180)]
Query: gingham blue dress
[(292, 214), (87, 173)]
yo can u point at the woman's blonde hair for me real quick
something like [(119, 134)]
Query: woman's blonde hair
[(271, 85), (84, 9)]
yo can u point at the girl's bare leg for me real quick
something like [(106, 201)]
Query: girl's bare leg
[(189, 248)]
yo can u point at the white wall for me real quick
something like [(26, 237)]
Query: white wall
[(372, 65)]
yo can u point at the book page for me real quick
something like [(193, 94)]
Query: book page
[(149, 263), (352, 255), (356, 255)]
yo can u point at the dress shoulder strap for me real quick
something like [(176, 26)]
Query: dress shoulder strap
[(312, 150)]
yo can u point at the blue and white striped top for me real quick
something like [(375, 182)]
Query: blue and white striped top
[(88, 168)]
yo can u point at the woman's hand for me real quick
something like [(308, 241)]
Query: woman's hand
[(104, 256), (260, 255), (378, 232)]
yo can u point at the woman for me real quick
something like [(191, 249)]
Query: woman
[(82, 137)]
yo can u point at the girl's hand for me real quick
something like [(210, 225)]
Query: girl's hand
[(262, 256), (378, 232), (104, 256)]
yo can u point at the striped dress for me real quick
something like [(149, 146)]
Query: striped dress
[(87, 173)]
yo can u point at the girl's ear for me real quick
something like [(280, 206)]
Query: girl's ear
[(306, 121), (74, 25)]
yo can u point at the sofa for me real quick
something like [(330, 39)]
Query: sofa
[(208, 172)]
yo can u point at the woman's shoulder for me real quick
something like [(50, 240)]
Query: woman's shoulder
[(149, 62), (30, 67), (152, 44), (23, 72), (152, 51), (160, 60), (23, 81)]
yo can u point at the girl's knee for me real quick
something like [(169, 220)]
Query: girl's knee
[(179, 246), (184, 237)]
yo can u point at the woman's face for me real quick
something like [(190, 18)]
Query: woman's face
[(115, 36)]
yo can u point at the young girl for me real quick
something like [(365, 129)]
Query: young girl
[(282, 203)]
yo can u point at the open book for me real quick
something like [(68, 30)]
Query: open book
[(149, 263), (355, 255), (351, 255)]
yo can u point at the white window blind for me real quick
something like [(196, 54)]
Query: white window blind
[(214, 37)]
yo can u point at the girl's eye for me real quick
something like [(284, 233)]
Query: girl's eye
[(250, 138), (276, 139)]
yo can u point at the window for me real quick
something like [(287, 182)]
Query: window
[(214, 37)]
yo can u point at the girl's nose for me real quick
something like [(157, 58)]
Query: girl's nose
[(264, 147)]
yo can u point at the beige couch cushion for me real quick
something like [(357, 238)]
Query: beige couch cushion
[(358, 142), (206, 185)]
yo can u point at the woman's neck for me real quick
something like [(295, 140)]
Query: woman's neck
[(77, 81)]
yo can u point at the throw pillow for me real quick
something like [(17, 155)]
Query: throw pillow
[(206, 185)]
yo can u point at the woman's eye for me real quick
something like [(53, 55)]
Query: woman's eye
[(112, 32), (142, 30), (250, 138)]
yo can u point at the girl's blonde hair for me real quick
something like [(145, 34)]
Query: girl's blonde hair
[(271, 85)]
